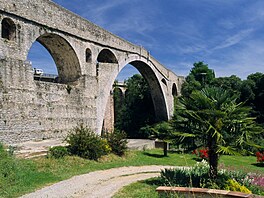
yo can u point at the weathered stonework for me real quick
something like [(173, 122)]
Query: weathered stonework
[(109, 117), (88, 59)]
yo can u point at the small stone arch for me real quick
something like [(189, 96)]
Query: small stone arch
[(106, 56), (164, 81), (8, 29), (64, 56), (120, 96), (88, 55), (174, 90), (119, 91)]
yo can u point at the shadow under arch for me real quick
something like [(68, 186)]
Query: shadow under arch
[(174, 91), (8, 29), (64, 56), (160, 107), (106, 56), (120, 96)]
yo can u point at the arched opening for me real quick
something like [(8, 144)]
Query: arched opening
[(174, 93), (119, 89), (43, 65), (63, 56), (174, 90), (8, 29), (119, 101), (143, 100), (88, 55), (155, 89), (164, 81), (106, 56)]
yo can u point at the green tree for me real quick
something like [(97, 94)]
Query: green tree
[(137, 109), (200, 76), (119, 106), (257, 86), (212, 117), (231, 83), (247, 94)]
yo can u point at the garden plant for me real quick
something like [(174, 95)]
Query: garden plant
[(214, 118), (82, 141)]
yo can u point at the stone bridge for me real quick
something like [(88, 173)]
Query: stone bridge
[(88, 60)]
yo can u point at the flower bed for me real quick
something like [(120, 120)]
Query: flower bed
[(197, 176)]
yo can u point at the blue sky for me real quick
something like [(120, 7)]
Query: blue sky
[(228, 35)]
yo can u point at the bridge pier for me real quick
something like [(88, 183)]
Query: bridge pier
[(88, 59)]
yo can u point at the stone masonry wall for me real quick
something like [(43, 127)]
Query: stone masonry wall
[(39, 110), (31, 109)]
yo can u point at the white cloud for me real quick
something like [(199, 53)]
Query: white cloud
[(246, 59), (235, 39), (96, 11)]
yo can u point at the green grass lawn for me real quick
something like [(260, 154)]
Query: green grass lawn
[(138, 189), (20, 176)]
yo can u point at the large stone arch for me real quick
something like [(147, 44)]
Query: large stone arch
[(152, 76), (64, 56), (157, 93)]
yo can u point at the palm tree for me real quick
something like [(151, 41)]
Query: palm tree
[(213, 117)]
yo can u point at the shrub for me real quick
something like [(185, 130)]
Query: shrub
[(117, 141), (190, 177), (239, 176), (235, 186), (58, 152), (86, 144)]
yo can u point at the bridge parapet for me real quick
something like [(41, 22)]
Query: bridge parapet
[(53, 16)]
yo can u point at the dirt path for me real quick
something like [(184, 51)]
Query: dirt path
[(36, 148), (98, 184)]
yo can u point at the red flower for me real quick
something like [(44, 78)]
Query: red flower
[(260, 156), (202, 153)]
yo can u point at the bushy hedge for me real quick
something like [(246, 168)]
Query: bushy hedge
[(86, 143), (117, 141), (58, 152)]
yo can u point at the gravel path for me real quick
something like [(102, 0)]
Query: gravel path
[(98, 184)]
